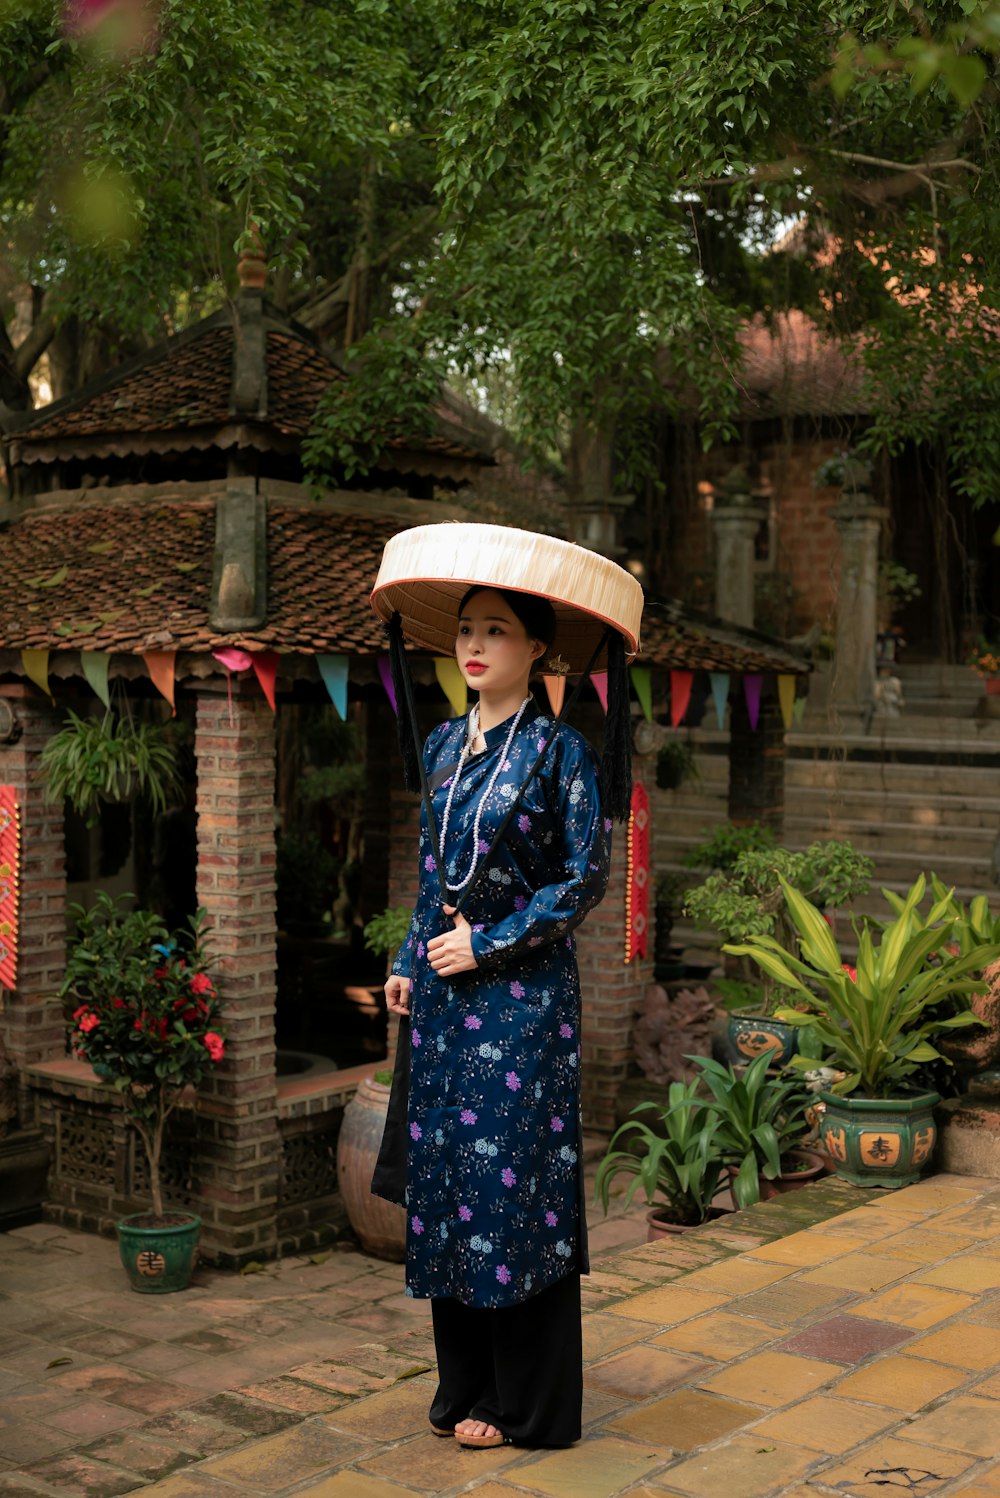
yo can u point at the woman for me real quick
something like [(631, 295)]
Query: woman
[(496, 1233)]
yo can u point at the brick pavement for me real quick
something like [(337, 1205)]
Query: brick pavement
[(829, 1342)]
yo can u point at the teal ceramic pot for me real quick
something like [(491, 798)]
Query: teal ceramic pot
[(158, 1254), (879, 1141), (751, 1034)]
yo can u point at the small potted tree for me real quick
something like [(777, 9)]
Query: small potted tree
[(674, 1158), (760, 1120), (144, 1012), (745, 901), (876, 1022)]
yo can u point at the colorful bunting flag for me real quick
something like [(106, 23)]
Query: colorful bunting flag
[(36, 669), (555, 686), (160, 665), (799, 709), (265, 668), (599, 681), (681, 683), (96, 664), (10, 871), (333, 669), (452, 683), (643, 690), (786, 697), (233, 659), (385, 672), (720, 694), (752, 684)]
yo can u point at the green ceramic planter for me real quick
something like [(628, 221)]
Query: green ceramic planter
[(879, 1142), (752, 1034), (158, 1253)]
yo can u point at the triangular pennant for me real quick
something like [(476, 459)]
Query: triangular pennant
[(720, 694), (752, 684), (385, 672), (681, 683), (233, 659), (786, 696), (36, 669), (95, 665), (599, 681), (265, 668), (555, 686), (333, 669), (799, 709), (643, 690), (452, 683), (160, 665)]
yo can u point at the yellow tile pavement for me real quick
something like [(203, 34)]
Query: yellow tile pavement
[(685, 1420), (738, 1275), (860, 1271), (963, 1424), (668, 1306), (354, 1485), (923, 1245), (984, 1484), (771, 1378), (804, 1249), (972, 1272), (873, 1471), (916, 1306), (825, 1424), (597, 1468), (744, 1466), (719, 1335), (901, 1383), (293, 1455), (964, 1344)]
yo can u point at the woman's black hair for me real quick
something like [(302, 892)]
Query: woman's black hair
[(536, 614)]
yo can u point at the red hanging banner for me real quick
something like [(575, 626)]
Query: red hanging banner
[(637, 877), (681, 683), (10, 852)]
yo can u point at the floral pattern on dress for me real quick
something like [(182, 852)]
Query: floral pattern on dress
[(493, 1194)]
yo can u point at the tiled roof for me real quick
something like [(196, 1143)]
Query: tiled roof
[(132, 575), (790, 367), (179, 395)]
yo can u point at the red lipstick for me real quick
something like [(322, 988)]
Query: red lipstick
[(475, 668)]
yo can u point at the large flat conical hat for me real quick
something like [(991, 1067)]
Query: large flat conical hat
[(425, 572)]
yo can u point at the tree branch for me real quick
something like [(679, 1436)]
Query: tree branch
[(31, 348)]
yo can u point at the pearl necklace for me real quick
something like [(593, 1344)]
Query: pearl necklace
[(471, 734)]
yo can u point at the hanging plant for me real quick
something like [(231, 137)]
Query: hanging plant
[(112, 759)]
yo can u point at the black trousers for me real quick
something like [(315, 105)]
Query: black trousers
[(519, 1367)]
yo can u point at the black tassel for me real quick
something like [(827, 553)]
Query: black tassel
[(406, 728), (616, 762)]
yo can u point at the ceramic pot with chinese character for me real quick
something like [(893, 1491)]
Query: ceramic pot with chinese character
[(158, 1253), (749, 1034), (879, 1141)]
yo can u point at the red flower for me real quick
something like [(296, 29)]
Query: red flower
[(119, 1004), (77, 1012), (201, 983), (851, 972), (214, 1045), (137, 1024), (160, 972), (88, 1022)]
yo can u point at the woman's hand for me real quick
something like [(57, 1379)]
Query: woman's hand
[(452, 952), (397, 996)]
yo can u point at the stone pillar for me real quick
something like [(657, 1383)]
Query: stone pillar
[(31, 1023), (858, 519), (757, 760), (736, 520), (240, 1157)]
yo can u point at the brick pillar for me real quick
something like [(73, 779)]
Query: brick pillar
[(611, 990), (240, 1162), (757, 760), (31, 1023)]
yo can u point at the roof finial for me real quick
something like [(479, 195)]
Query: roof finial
[(251, 268)]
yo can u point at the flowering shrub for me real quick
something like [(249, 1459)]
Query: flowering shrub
[(985, 660), (143, 1010)]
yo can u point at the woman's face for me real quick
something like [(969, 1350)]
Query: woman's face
[(493, 649)]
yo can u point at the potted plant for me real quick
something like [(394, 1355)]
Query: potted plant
[(675, 763), (985, 662), (674, 1159), (759, 1119), (144, 1012), (380, 1226), (876, 1023), (110, 758), (746, 901)]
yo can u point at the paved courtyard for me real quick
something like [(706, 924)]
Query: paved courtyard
[(829, 1342)]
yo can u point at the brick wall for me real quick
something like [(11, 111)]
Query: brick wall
[(240, 1158), (31, 1023)]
